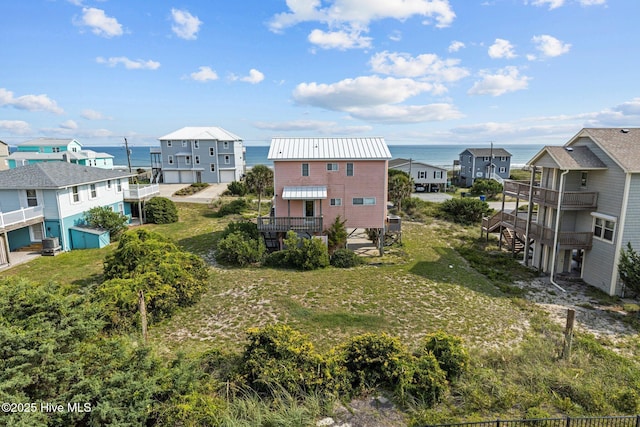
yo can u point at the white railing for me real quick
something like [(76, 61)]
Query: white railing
[(140, 191), (497, 177), (20, 216)]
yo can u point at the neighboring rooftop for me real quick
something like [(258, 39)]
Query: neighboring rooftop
[(401, 162), (52, 175), (71, 155), (203, 133), (48, 142), (374, 148), (488, 152), (571, 158), (621, 144)]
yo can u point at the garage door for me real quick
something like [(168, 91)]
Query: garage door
[(186, 177), (227, 176), (171, 177)]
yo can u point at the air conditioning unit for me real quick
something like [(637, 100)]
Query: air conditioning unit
[(50, 246)]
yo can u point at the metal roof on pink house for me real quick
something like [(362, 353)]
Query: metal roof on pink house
[(374, 148)]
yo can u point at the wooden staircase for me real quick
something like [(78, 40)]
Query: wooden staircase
[(271, 241), (513, 240)]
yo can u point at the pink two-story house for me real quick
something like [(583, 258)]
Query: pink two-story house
[(318, 179)]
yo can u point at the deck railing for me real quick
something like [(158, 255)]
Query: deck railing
[(566, 239), (141, 191), (571, 200), (286, 223), (20, 216)]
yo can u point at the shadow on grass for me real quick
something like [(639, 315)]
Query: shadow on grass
[(333, 319)]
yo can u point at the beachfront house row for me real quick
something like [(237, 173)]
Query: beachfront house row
[(57, 150), (318, 179), (426, 177), (484, 163), (4, 153), (49, 199), (200, 154), (584, 208)]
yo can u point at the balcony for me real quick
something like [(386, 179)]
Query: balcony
[(21, 218), (141, 191), (308, 224), (571, 200), (544, 235)]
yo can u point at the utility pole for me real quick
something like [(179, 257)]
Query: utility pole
[(126, 146)]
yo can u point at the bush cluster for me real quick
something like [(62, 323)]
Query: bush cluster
[(146, 261), (235, 207), (345, 258), (237, 188), (105, 218), (240, 245), (160, 210), (464, 211), (192, 189), (279, 357)]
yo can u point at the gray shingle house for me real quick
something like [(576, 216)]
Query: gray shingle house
[(201, 154), (487, 163), (425, 176), (587, 206)]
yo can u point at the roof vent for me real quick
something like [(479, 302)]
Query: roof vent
[(568, 148), (624, 130)]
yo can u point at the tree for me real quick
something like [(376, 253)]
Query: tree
[(104, 217), (488, 187), (629, 268), (258, 179), (336, 235), (400, 187)]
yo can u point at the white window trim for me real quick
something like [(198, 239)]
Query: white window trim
[(27, 197), (196, 160), (196, 144), (93, 188), (184, 144), (170, 159), (73, 194), (169, 143), (604, 217), (227, 159), (503, 169), (212, 151), (335, 202), (225, 145), (212, 167), (187, 160), (118, 185)]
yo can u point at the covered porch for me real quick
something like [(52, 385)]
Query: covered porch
[(304, 211), (20, 229)]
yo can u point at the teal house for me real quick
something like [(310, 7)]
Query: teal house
[(57, 150)]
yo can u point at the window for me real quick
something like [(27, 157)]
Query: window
[(74, 149), (212, 152), (227, 160), (437, 174), (470, 158), (225, 144), (604, 227), (56, 149), (170, 159), (332, 166), (503, 169), (335, 202), (486, 159), (583, 180), (422, 174), (196, 144), (93, 191), (305, 169), (196, 160), (364, 201), (75, 194), (121, 208), (32, 198), (169, 143), (119, 186), (503, 159), (212, 167), (187, 160), (109, 184), (184, 143), (349, 169)]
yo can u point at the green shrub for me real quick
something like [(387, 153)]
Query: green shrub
[(374, 361), (336, 235), (160, 210), (237, 249), (345, 258), (277, 259), (192, 189), (305, 254), (448, 350), (235, 207), (105, 218), (464, 211), (488, 187), (237, 188), (427, 382), (277, 357), (247, 228)]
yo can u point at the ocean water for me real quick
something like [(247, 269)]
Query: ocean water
[(437, 155)]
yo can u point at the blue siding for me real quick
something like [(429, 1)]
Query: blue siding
[(19, 238)]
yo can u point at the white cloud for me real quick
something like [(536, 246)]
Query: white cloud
[(347, 18), (363, 91), (592, 2), (92, 115), (501, 49), (18, 127), (395, 36), (185, 25), (553, 4), (204, 74), (428, 66), (254, 77), (341, 40), (407, 113), (29, 102), (550, 46), (129, 64), (456, 46), (69, 124), (315, 126), (506, 80), (100, 24)]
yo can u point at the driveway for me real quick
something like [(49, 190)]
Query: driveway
[(441, 197), (205, 196)]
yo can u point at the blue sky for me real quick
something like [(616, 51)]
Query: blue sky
[(412, 71)]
